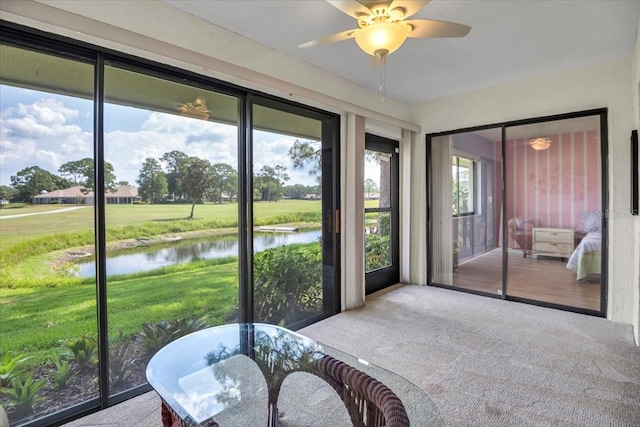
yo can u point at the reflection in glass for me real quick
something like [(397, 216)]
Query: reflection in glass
[(476, 205), (48, 324), (172, 150), (554, 197)]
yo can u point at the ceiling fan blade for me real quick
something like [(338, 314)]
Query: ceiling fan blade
[(350, 7), (425, 28), (411, 7), (345, 35)]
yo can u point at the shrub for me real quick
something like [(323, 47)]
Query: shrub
[(157, 335), (21, 395), (84, 351), (288, 283), (377, 250), (61, 376), (120, 361), (11, 367)]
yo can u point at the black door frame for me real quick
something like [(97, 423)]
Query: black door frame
[(604, 149), (386, 276)]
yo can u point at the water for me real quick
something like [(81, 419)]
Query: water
[(151, 257)]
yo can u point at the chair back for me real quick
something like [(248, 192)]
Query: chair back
[(369, 402)]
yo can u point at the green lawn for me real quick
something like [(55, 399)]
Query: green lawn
[(35, 321), (15, 230)]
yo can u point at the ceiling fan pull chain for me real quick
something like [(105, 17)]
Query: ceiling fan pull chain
[(383, 78)]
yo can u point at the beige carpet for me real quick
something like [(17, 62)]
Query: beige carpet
[(478, 361), (488, 362)]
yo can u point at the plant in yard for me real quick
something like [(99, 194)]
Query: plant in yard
[(84, 351), (157, 335), (10, 367), (62, 375), (377, 250), (21, 395), (120, 361), (288, 283)]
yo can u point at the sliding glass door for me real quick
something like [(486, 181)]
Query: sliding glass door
[(467, 173), (139, 203), (293, 213), (517, 211), (554, 212)]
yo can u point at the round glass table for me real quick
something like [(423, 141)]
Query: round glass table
[(255, 374)]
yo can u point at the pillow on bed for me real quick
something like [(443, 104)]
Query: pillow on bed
[(591, 221)]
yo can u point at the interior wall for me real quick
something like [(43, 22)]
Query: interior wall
[(596, 86), (554, 187)]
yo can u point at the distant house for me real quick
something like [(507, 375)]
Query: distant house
[(122, 195), (311, 197)]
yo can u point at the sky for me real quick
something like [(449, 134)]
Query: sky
[(48, 130)]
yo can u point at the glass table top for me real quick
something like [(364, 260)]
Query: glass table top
[(232, 373)]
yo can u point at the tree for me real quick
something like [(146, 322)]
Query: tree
[(152, 181), (370, 187), (82, 172), (30, 181), (225, 180), (307, 153), (384, 161), (6, 193), (281, 177), (195, 180), (269, 181), (174, 161)]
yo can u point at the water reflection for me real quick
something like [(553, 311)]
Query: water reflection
[(146, 258)]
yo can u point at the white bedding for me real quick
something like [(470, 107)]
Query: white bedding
[(586, 259)]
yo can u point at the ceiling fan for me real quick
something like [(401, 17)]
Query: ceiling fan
[(383, 26)]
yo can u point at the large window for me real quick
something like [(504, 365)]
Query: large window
[(463, 186), (132, 197)]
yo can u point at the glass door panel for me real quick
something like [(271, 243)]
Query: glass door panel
[(171, 167), (476, 203), (554, 204), (466, 176), (381, 213), (292, 234), (48, 324)]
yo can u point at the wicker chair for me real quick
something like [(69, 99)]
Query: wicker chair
[(369, 402)]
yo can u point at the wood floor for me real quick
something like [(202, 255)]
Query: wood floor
[(543, 279)]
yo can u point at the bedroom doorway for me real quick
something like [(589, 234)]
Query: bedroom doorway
[(517, 211)]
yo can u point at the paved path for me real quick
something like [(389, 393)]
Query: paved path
[(73, 208)]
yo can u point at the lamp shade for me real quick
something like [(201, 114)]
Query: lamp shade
[(539, 144), (381, 37)]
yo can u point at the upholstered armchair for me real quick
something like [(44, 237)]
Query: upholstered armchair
[(520, 232)]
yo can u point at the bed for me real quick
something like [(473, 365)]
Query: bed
[(587, 258)]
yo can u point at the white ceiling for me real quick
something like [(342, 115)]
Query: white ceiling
[(509, 40)]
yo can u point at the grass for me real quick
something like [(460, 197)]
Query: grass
[(19, 229), (36, 320)]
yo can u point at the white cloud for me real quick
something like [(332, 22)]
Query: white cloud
[(47, 133)]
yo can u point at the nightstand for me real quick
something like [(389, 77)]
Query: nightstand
[(553, 242)]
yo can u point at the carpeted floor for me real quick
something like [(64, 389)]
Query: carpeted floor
[(480, 361)]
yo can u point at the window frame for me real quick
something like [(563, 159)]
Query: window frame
[(473, 185)]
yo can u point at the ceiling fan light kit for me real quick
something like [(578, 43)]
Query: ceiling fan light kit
[(382, 26), (382, 38)]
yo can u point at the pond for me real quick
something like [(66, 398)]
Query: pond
[(144, 258)]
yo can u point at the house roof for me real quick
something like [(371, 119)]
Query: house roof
[(509, 40)]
